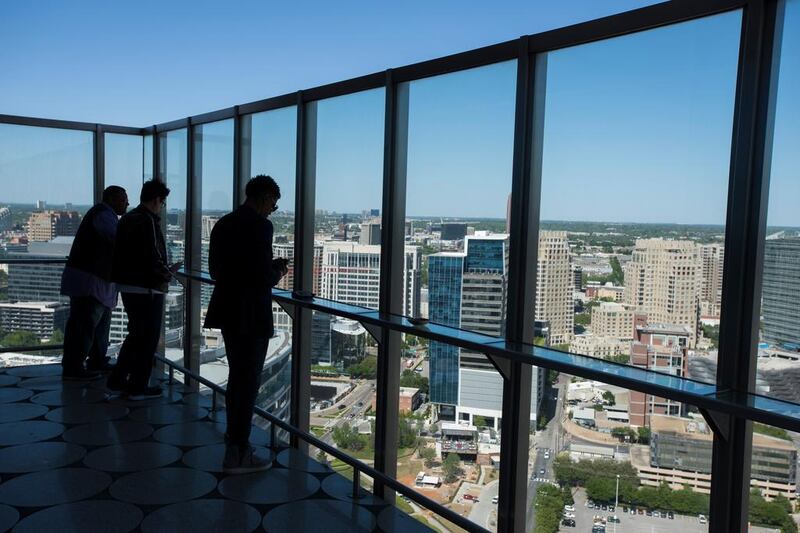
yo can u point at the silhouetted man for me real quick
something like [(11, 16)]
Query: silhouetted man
[(142, 275), (240, 261), (92, 295)]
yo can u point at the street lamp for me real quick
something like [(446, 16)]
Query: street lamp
[(616, 504)]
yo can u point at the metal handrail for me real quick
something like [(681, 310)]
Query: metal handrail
[(358, 466), (42, 348), (33, 261)]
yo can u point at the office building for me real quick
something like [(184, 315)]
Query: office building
[(370, 233), (39, 282), (554, 286), (598, 346), (712, 258), (661, 348), (453, 231), (45, 226), (663, 279), (41, 318), (445, 281), (780, 299), (286, 250), (577, 277), (681, 454)]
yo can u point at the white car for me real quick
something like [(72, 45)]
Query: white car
[(494, 500), (547, 455), (570, 508), (703, 519), (567, 514)]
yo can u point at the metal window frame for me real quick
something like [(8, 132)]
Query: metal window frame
[(746, 222)]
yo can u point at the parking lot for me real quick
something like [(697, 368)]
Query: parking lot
[(631, 523)]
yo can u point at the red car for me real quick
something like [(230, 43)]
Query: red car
[(470, 497)]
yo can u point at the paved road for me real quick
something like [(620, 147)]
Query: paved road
[(483, 508), (546, 442)]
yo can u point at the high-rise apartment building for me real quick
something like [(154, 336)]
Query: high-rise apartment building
[(712, 257), (662, 348), (663, 280), (610, 319), (554, 286), (286, 250), (780, 298), (47, 225), (351, 274)]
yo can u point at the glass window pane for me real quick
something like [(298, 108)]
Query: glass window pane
[(270, 149), (46, 186), (214, 177), (147, 158), (635, 165), (779, 350), (124, 163), (349, 182)]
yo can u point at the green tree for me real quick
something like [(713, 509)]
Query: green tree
[(451, 467), (407, 434), (623, 433), (366, 369), (548, 503), (20, 338), (608, 396), (479, 421), (428, 455), (643, 435), (711, 333), (409, 378), (583, 319)]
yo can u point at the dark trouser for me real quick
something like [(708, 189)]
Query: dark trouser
[(246, 354), (135, 360), (86, 333)]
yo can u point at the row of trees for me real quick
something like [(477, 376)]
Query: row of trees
[(776, 513), (28, 338), (549, 505), (640, 435), (347, 437)]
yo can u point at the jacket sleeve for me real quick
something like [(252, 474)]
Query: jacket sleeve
[(266, 267), (158, 265)]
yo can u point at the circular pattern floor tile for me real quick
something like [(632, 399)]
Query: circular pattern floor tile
[(35, 371), (199, 516), (106, 433), (84, 517), (168, 414), (13, 394), (312, 515), (8, 517), (291, 458), (341, 488), (163, 486), (167, 396), (12, 433), (53, 487), (132, 457), (277, 485), (209, 458), (87, 413), (393, 520), (68, 396), (200, 400), (39, 456), (7, 381), (53, 383), (192, 434), (17, 412)]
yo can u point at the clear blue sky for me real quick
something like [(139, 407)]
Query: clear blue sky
[(636, 129)]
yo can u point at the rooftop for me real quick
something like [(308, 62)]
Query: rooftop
[(72, 455)]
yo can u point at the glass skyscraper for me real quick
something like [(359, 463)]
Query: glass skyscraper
[(445, 277)]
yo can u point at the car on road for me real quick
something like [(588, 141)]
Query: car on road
[(639, 511), (625, 510), (589, 503), (598, 528), (494, 499), (671, 515), (657, 514), (359, 404), (703, 519), (541, 471), (604, 507), (649, 512), (547, 455), (568, 522), (614, 519), (341, 406), (470, 497), (611, 508), (570, 508), (597, 506)]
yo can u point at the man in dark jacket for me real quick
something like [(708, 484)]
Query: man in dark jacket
[(142, 275), (240, 261), (87, 282)]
